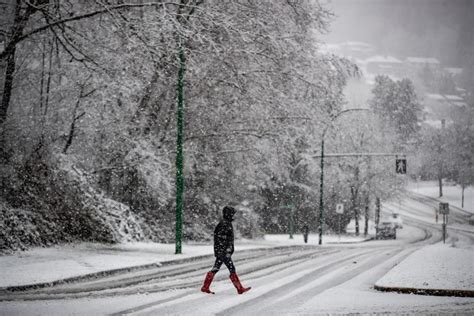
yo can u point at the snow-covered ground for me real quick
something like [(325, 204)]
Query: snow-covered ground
[(337, 278), (451, 193), (441, 266), (357, 297), (42, 265)]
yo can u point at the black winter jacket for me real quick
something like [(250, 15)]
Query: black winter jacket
[(224, 239)]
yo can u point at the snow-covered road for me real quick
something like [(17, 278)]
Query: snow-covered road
[(296, 280)]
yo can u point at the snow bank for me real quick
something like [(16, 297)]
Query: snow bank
[(439, 266)]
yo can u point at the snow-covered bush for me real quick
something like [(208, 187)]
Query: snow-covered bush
[(55, 202), (103, 218), (21, 229), (152, 170), (141, 179)]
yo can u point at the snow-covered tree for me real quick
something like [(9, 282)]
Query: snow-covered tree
[(397, 104), (93, 89)]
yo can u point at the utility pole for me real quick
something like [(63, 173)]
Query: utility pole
[(321, 188), (179, 151)]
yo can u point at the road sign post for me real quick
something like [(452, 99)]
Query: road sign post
[(444, 210)]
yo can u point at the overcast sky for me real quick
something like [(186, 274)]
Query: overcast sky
[(430, 28)]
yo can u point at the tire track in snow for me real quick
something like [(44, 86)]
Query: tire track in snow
[(132, 283), (309, 286), (194, 304)]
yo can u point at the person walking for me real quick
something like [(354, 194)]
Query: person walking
[(223, 250)]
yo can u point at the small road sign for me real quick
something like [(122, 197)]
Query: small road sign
[(340, 208), (401, 166), (444, 208)]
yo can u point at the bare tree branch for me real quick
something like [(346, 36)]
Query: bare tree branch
[(124, 6)]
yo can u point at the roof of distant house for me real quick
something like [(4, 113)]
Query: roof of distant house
[(355, 43), (383, 59), (453, 70), (448, 98), (360, 46), (433, 123), (423, 60), (434, 96), (329, 48), (453, 97)]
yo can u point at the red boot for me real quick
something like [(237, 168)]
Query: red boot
[(235, 280), (207, 283)]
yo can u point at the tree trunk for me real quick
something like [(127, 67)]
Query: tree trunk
[(355, 208), (19, 24), (8, 86), (377, 212), (366, 217), (355, 194), (356, 211), (440, 183)]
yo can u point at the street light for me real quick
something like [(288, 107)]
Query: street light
[(321, 185)]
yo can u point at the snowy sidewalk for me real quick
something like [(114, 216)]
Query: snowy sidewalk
[(440, 269), (86, 260), (45, 265)]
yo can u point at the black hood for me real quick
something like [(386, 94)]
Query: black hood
[(228, 213)]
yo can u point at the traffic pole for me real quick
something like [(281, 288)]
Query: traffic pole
[(321, 187), (179, 152)]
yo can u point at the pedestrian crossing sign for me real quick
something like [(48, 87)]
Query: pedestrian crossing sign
[(401, 166)]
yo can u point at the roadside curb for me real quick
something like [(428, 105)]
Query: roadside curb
[(112, 272), (350, 242), (433, 292)]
